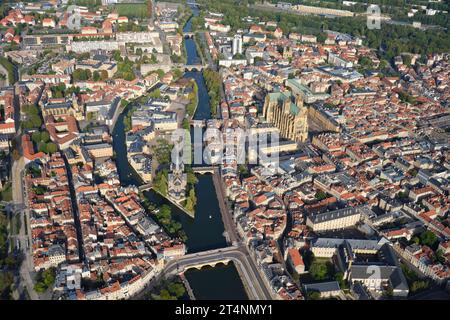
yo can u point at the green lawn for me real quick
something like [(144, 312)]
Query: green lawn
[(415, 283), (138, 10), (6, 193)]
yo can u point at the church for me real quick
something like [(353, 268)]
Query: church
[(286, 112)]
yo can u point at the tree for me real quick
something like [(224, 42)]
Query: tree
[(176, 289), (45, 136), (162, 151), (155, 94), (165, 211), (191, 201), (191, 177), (160, 182), (165, 295), (45, 280), (321, 270), (318, 271), (160, 73), (81, 75), (213, 83), (30, 109), (153, 59), (185, 124), (313, 295), (36, 137), (365, 62), (35, 121), (16, 155), (51, 148), (125, 70), (407, 60), (6, 280), (96, 76), (320, 195), (117, 56), (339, 277), (429, 239), (42, 147), (103, 75), (189, 205), (177, 73), (73, 90), (440, 256), (243, 169), (123, 103), (49, 277), (419, 285)]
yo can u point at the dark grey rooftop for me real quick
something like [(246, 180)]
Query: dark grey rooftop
[(323, 286)]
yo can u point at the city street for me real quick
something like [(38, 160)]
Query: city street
[(26, 269)]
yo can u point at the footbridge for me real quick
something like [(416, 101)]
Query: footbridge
[(145, 187), (203, 170)]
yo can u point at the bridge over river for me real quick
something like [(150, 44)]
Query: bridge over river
[(191, 67), (250, 276)]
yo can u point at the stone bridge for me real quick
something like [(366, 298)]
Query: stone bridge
[(145, 187), (198, 123), (203, 170), (194, 67), (188, 35), (191, 67), (252, 283)]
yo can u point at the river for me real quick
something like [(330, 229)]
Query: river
[(206, 230), (219, 283)]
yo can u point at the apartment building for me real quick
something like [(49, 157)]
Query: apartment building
[(334, 220)]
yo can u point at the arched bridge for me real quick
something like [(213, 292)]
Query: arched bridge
[(188, 35), (202, 170), (255, 289), (198, 123), (191, 67), (194, 67), (193, 3)]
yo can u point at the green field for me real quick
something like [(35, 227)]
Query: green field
[(132, 10)]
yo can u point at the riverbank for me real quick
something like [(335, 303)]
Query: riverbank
[(198, 47), (191, 214), (192, 106)]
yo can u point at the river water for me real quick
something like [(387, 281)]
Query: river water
[(219, 283), (205, 230)]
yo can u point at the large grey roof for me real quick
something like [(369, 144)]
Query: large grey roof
[(392, 273), (323, 286), (332, 215), (354, 243)]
